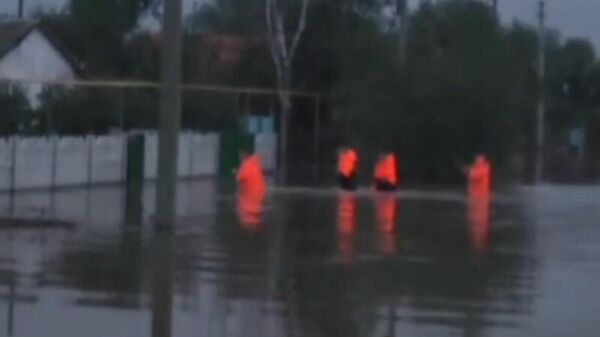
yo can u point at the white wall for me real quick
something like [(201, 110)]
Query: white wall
[(184, 158), (35, 58), (205, 154), (33, 162), (108, 159), (150, 155), (70, 161), (198, 155)]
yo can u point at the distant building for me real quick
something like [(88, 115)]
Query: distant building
[(28, 52)]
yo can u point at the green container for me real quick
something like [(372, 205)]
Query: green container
[(135, 159), (134, 183), (232, 143)]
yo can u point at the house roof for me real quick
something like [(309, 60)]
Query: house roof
[(12, 33)]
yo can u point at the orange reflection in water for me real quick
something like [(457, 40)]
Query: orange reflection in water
[(250, 207), (479, 222), (386, 213), (346, 224)]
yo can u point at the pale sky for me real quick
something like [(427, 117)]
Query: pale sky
[(577, 18)]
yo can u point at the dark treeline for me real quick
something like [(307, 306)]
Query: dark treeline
[(457, 83)]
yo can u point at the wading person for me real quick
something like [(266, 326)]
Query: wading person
[(385, 174), (347, 164), (251, 191), (479, 177)]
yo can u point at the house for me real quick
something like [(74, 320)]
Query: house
[(29, 53)]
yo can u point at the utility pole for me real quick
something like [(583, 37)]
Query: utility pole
[(402, 26), (20, 11), (170, 114), (540, 123)]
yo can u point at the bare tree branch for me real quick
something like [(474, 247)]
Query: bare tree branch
[(280, 32), (268, 10), (270, 38), (283, 56), (299, 29)]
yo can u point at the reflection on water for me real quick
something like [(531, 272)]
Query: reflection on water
[(162, 283), (386, 210), (250, 208), (346, 224), (479, 223), (323, 264)]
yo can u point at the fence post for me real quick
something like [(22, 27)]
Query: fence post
[(124, 155), (90, 159), (13, 164), (53, 139), (316, 140), (191, 145), (50, 114), (13, 174)]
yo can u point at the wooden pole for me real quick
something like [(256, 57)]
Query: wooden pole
[(170, 114), (21, 9), (316, 139), (541, 106)]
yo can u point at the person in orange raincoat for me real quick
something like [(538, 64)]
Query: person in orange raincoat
[(385, 173), (347, 163), (251, 191), (479, 178)]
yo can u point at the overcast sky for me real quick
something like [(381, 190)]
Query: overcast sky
[(572, 17)]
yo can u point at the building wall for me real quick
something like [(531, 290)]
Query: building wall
[(35, 59)]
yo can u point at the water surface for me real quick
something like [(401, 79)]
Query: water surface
[(315, 263)]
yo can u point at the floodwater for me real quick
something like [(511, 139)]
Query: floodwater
[(312, 263)]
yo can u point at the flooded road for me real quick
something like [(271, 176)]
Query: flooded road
[(313, 263)]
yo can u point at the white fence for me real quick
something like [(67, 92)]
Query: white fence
[(45, 162), (72, 157), (198, 155)]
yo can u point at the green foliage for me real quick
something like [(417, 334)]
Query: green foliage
[(17, 115), (210, 111), (95, 32), (240, 17), (77, 111), (468, 84)]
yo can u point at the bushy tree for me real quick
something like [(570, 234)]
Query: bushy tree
[(17, 115)]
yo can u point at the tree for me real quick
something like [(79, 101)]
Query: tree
[(17, 116), (570, 86), (464, 88), (78, 111), (95, 31), (283, 50), (238, 17)]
